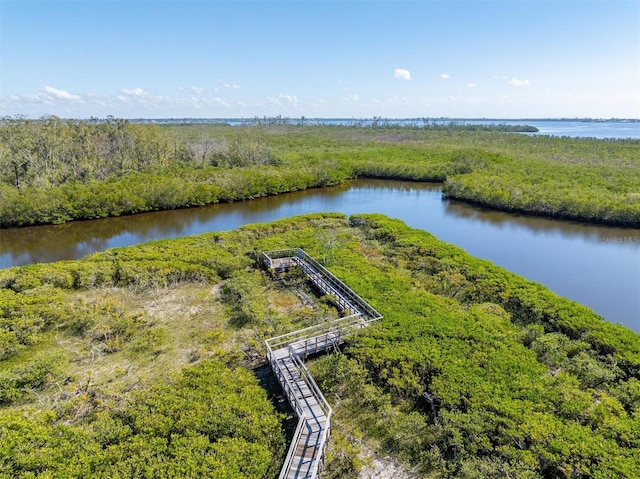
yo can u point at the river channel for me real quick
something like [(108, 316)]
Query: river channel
[(597, 266)]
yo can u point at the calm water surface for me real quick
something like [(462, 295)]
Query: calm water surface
[(594, 265)]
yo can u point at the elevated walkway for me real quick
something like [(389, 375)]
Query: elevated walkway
[(285, 353)]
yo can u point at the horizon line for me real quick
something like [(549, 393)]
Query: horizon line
[(331, 118)]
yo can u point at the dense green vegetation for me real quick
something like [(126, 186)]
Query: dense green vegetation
[(208, 421), (478, 373), (53, 170), (132, 362)]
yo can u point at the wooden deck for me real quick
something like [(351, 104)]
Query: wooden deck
[(285, 353), (307, 448)]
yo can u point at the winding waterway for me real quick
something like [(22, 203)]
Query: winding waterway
[(595, 265)]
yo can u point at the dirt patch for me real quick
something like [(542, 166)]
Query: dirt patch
[(383, 467)]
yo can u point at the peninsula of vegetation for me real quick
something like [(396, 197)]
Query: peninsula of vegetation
[(54, 170), (137, 362)]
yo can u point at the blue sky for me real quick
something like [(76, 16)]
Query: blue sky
[(313, 58)]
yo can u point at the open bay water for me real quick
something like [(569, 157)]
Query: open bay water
[(588, 129)]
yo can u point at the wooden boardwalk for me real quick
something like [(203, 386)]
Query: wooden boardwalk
[(285, 353)]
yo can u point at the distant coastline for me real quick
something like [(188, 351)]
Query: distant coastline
[(296, 120), (614, 128)]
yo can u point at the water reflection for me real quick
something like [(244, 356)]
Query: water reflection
[(540, 225), (595, 265)]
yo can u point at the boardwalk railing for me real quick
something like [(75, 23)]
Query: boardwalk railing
[(322, 278), (297, 437), (285, 353), (304, 374), (319, 337)]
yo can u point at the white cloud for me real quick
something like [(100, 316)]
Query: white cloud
[(282, 99), (288, 98), (352, 97), (516, 82), (402, 74), (36, 98), (60, 94), (229, 85), (446, 76), (272, 100), (193, 89), (471, 85), (46, 96), (135, 92)]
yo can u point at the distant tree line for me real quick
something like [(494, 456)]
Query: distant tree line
[(52, 151), (381, 122)]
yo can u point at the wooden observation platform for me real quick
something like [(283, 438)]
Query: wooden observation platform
[(285, 354)]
